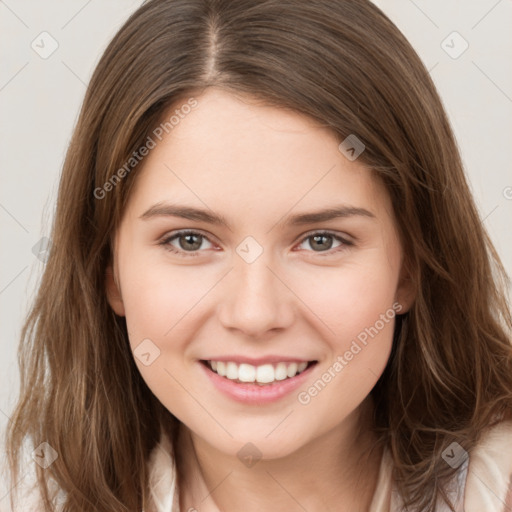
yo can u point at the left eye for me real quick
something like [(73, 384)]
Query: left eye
[(190, 242), (323, 239)]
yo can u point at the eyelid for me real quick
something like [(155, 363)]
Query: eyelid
[(345, 237)]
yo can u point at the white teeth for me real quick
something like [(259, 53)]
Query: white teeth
[(292, 369), (231, 371), (221, 368), (246, 373), (281, 372), (263, 374)]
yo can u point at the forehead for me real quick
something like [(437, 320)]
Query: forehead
[(232, 150)]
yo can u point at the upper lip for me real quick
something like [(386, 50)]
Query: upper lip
[(258, 361)]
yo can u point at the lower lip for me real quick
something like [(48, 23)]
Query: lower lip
[(252, 393)]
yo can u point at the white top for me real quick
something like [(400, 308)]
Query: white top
[(483, 482)]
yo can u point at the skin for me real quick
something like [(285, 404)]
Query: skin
[(256, 165)]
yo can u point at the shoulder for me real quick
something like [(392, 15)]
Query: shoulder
[(483, 481), (489, 476), (162, 478), (24, 495)]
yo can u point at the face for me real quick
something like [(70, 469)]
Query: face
[(253, 283)]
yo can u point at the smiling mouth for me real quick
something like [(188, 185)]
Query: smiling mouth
[(262, 375)]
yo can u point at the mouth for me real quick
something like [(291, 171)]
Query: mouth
[(267, 374)]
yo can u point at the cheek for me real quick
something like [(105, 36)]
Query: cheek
[(157, 297), (162, 303), (159, 306), (350, 298), (357, 307)]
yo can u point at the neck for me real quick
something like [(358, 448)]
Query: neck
[(336, 471)]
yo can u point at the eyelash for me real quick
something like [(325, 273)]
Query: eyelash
[(186, 254)]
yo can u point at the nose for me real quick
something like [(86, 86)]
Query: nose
[(256, 298)]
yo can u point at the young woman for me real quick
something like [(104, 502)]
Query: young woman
[(269, 287)]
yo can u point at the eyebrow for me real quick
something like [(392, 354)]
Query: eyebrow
[(163, 209)]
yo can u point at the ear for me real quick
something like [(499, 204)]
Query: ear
[(406, 289), (113, 292)]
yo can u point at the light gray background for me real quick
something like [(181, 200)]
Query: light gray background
[(40, 99)]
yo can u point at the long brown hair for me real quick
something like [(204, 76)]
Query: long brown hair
[(346, 65)]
